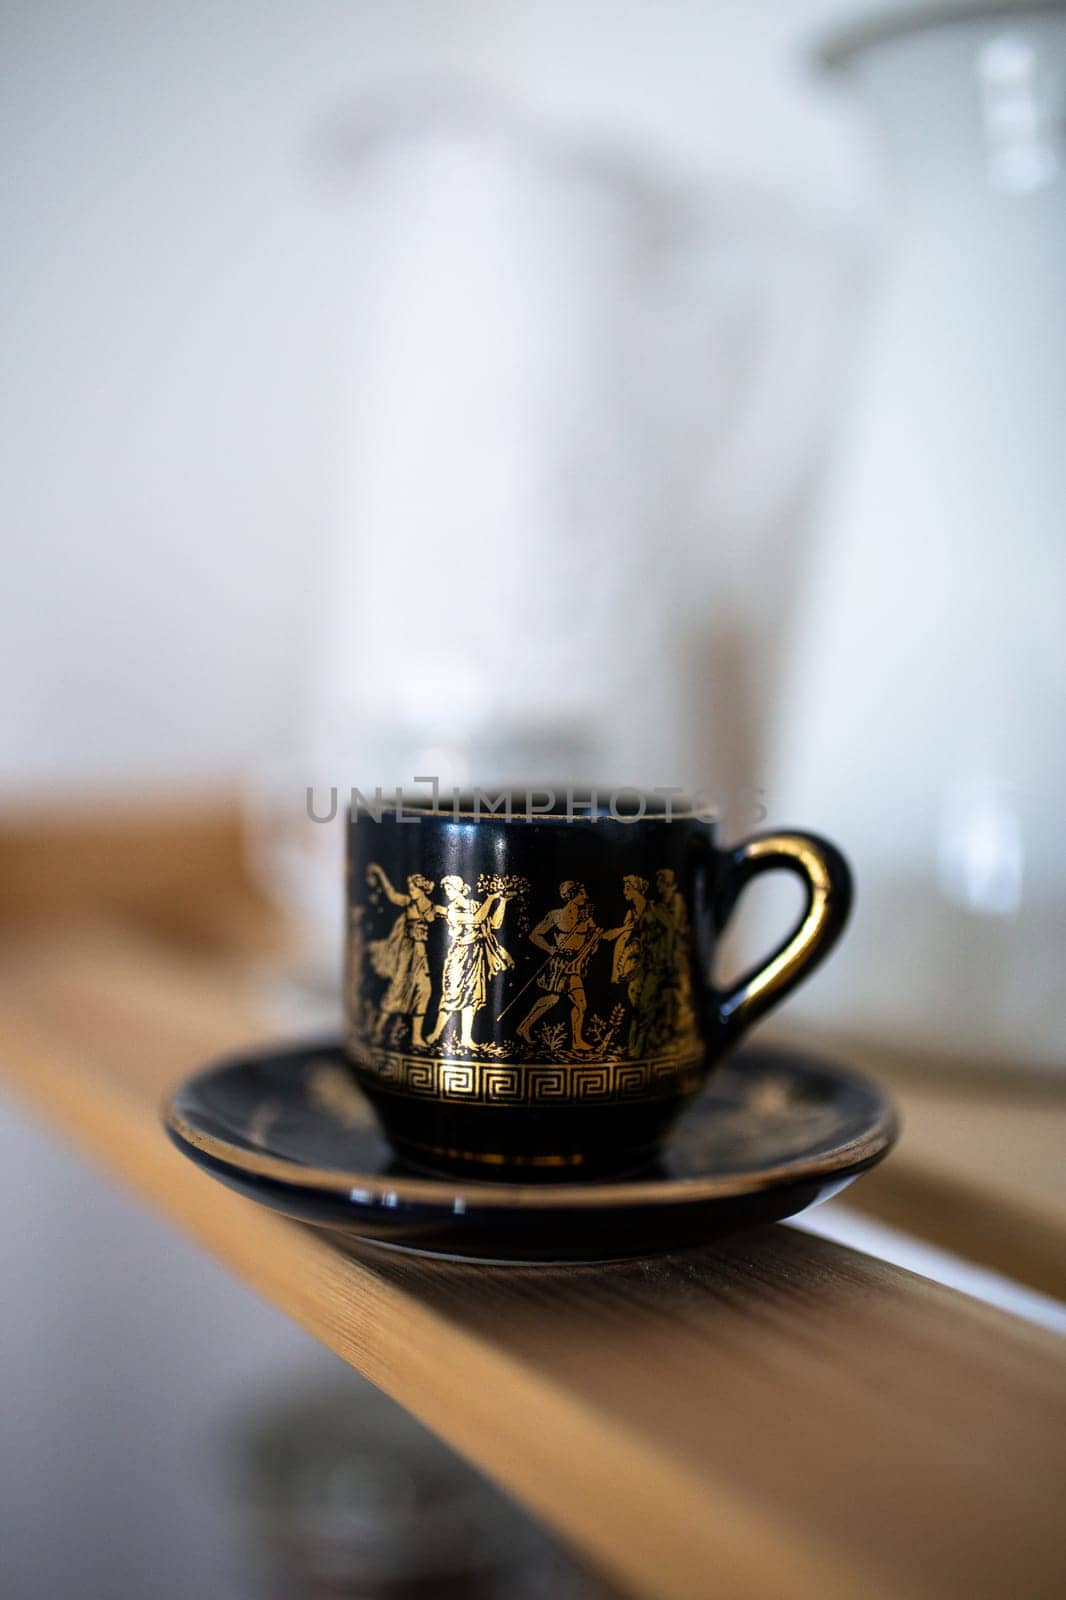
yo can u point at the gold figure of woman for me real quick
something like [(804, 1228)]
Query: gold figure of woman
[(474, 957), (569, 935), (653, 958), (633, 963), (675, 955), (401, 957)]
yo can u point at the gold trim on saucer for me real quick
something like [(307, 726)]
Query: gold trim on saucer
[(477, 1193)]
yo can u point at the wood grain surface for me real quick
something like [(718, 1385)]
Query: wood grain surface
[(774, 1416), (980, 1170)]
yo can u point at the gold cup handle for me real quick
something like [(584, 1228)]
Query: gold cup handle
[(827, 879)]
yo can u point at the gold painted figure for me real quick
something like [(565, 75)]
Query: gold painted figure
[(671, 913), (569, 935), (631, 964), (652, 958), (402, 956), (475, 956)]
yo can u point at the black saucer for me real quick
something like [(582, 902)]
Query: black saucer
[(771, 1133)]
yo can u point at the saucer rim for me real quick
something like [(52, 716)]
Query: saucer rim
[(482, 1195)]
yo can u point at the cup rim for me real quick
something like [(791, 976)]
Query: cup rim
[(569, 804)]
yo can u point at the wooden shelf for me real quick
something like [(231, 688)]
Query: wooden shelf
[(774, 1416), (771, 1417), (979, 1169)]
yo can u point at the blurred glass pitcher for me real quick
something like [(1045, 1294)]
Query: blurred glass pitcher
[(926, 699), (563, 371)]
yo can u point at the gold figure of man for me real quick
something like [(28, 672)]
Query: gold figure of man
[(401, 957), (569, 935), (474, 957)]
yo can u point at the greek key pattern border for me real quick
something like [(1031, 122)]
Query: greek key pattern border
[(503, 1083)]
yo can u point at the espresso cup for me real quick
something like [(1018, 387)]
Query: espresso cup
[(531, 994)]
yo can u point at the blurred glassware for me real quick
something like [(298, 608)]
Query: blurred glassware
[(923, 713), (580, 395), (341, 1493)]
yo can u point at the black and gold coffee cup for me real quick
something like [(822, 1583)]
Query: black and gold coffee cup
[(531, 993)]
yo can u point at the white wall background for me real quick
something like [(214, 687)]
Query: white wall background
[(172, 293)]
